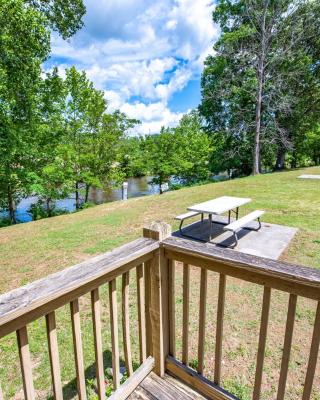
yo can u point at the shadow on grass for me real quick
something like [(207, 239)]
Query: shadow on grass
[(70, 389)]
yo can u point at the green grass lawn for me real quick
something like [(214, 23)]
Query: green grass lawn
[(34, 250)]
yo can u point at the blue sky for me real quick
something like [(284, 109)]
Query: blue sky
[(147, 56)]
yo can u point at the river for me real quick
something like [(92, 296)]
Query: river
[(137, 187)]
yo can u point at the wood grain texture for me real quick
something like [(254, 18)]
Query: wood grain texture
[(136, 378), (287, 346), (54, 356), (262, 342), (77, 346), (287, 277), (98, 349), (25, 362), (157, 273), (202, 319), (313, 357), (197, 382), (219, 329), (141, 313), (185, 314), (172, 309), (126, 323), (23, 305), (114, 333)]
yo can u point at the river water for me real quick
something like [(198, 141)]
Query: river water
[(137, 187)]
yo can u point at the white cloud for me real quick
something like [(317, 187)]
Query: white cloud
[(141, 52)]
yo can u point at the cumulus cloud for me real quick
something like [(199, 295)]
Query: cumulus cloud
[(141, 52)]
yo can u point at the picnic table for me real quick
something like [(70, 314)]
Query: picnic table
[(219, 206)]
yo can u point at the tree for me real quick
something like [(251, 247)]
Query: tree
[(24, 45), (253, 84), (182, 152), (62, 16), (195, 148)]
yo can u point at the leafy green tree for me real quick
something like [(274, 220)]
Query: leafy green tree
[(264, 60), (24, 45), (62, 16), (194, 147)]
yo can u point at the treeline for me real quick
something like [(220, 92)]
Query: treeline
[(261, 87)]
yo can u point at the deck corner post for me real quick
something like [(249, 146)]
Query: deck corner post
[(156, 286)]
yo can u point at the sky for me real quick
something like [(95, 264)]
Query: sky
[(146, 55)]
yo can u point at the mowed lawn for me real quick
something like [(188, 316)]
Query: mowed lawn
[(33, 250)]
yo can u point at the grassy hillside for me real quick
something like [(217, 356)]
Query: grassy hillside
[(33, 250)]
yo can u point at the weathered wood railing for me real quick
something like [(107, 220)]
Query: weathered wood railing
[(295, 280), (154, 257), (42, 298)]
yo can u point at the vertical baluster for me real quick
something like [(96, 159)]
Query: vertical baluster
[(172, 303), (25, 361), (96, 320), (314, 350), (77, 345), (185, 324), (114, 333), (287, 346), (141, 313), (202, 319), (54, 355), (262, 342), (147, 286), (126, 323), (219, 329)]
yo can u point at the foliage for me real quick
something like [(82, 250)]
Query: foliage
[(257, 86), (182, 152)]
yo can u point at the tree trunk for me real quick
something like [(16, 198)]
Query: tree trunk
[(77, 196), (261, 65), (280, 161), (11, 207), (48, 208), (87, 193)]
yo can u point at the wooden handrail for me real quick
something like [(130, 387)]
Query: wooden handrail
[(284, 276), (28, 303), (271, 274)]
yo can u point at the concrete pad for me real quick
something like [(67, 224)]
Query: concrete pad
[(270, 241), (309, 177)]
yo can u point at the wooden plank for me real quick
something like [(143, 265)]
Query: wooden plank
[(253, 275), (54, 355), (185, 314), (196, 381), (135, 379), (219, 329), (114, 333), (126, 323), (147, 291), (157, 296), (313, 357), (28, 303), (287, 346), (141, 313), (202, 319), (77, 345), (25, 362), (262, 342), (98, 348), (172, 313), (256, 269)]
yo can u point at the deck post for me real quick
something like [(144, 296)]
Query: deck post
[(157, 305)]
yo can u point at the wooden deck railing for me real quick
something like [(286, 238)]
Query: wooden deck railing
[(154, 257), (295, 280)]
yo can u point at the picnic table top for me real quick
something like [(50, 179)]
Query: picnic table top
[(220, 205)]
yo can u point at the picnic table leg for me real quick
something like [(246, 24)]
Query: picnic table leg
[(210, 226), (237, 213)]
